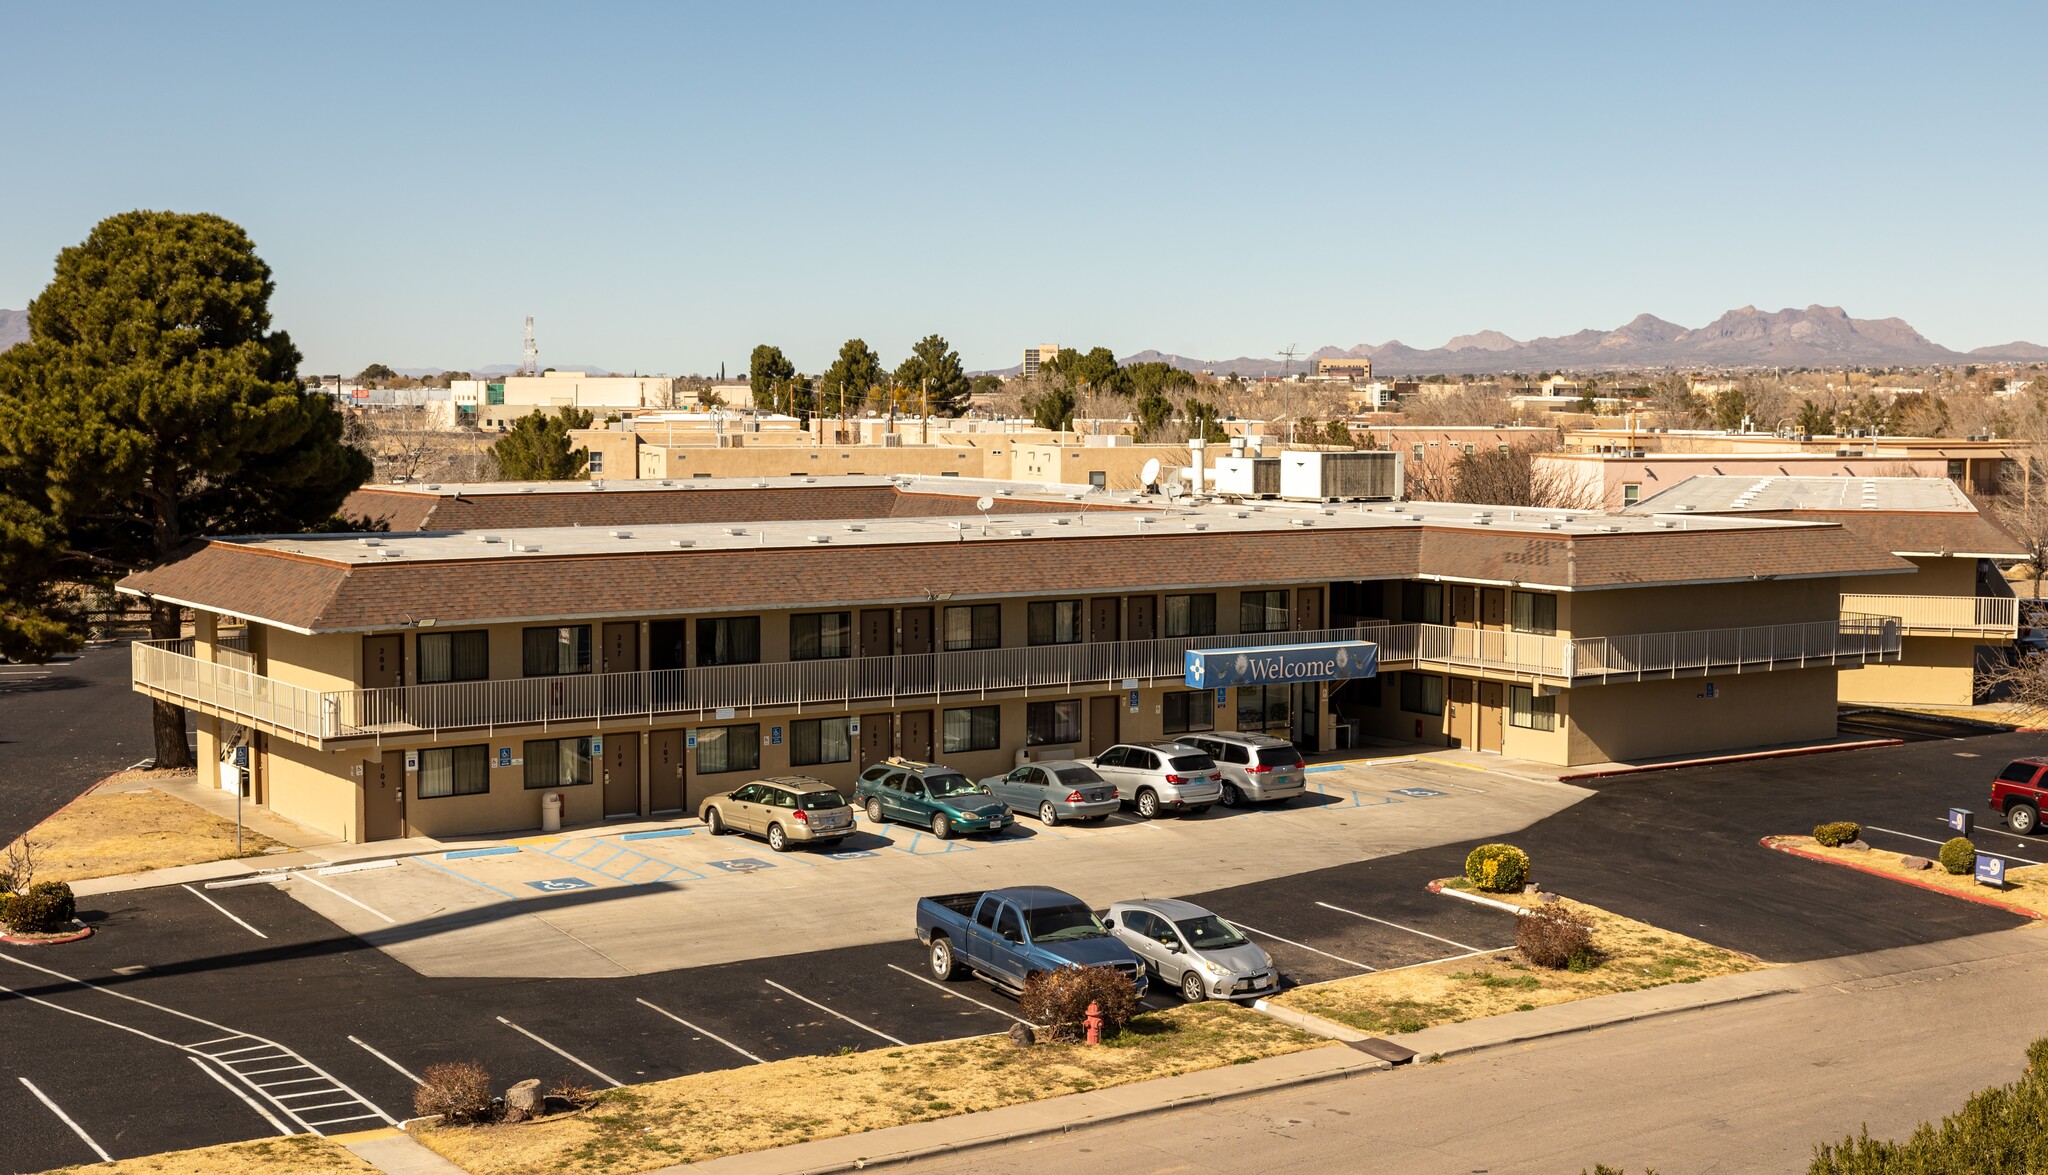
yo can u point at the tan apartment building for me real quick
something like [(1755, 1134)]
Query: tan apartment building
[(1622, 479), (1035, 358), (1356, 370), (1954, 613), (1979, 465), (632, 653)]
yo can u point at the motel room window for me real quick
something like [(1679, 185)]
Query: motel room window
[(665, 644), (1631, 492), (973, 626), (1415, 453), (1054, 622), (1422, 603), (1098, 479), (1535, 612), (817, 740), (557, 762), (454, 771), (728, 748), (551, 652), (596, 466), (1191, 615), (1527, 710), (1047, 723), (1262, 707), (454, 656), (729, 640), (973, 728), (1955, 470), (1262, 611), (817, 636), (1422, 693), (1183, 711)]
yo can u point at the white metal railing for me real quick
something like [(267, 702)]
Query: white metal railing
[(1593, 660), (227, 689), (1950, 615)]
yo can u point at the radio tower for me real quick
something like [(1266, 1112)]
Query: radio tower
[(529, 356)]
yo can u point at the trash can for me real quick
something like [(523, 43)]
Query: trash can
[(551, 811)]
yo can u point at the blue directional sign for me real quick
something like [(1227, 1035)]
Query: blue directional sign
[(1990, 870), (1282, 664), (1960, 820)]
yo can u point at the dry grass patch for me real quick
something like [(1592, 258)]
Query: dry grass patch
[(705, 1115), (269, 1156), (110, 832), (1626, 955), (2025, 887)]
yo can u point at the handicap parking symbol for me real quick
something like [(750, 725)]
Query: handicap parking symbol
[(851, 854), (1417, 793), (742, 865), (560, 884)]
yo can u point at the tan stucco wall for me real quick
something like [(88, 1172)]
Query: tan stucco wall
[(1932, 670), (329, 661), (1646, 719), (315, 788), (1680, 609)]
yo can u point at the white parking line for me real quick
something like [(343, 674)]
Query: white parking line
[(841, 1015), (246, 1099), (66, 1119), (1930, 840), (224, 910), (387, 1060), (1396, 925), (956, 995), (703, 1032), (1448, 959), (344, 897), (1997, 831), (567, 1056), (1302, 945)]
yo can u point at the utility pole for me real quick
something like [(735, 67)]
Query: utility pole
[(1286, 369), (924, 410)]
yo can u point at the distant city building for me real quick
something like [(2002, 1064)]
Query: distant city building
[(1036, 357), (489, 403), (1352, 369)]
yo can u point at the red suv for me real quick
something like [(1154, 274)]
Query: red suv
[(2019, 792)]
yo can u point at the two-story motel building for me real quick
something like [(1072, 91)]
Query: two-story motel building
[(694, 636)]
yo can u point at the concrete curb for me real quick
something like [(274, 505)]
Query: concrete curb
[(1438, 887), (1751, 757), (1425, 1049), (1311, 1023), (1771, 842), (1975, 723)]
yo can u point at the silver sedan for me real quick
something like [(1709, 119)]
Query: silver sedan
[(1055, 790)]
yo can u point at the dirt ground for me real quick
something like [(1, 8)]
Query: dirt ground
[(1627, 955), (691, 1119), (269, 1156), (2026, 888), (107, 832)]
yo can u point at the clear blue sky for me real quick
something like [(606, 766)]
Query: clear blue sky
[(665, 185)]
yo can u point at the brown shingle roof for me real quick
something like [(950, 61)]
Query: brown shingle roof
[(403, 510), (1948, 532)]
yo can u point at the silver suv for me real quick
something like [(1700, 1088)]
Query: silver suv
[(1154, 777), (1256, 767)]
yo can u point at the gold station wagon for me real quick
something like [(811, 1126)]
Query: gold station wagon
[(785, 810)]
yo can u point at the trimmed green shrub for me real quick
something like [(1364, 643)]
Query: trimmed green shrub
[(1057, 1001), (1497, 868), (46, 908), (1959, 855), (1549, 937), (1998, 1129), (1837, 833)]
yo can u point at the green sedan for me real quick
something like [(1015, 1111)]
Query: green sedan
[(930, 795)]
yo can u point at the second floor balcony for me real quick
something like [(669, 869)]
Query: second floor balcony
[(1994, 619), (229, 688)]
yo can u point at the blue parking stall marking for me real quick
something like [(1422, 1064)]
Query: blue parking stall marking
[(743, 865), (949, 846), (560, 884), (460, 854), (1355, 798), (656, 833), (1322, 767), (639, 860), (851, 854), (1417, 792), (466, 877)]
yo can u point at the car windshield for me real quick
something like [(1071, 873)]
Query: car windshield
[(811, 801), (1076, 776), (1064, 924), (1193, 763), (943, 786), (1210, 933)]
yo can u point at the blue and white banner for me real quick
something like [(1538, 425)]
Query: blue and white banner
[(1282, 664)]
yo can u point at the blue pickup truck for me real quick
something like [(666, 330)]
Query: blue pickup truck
[(1007, 935)]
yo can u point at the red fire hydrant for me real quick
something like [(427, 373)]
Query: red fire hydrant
[(1093, 1023)]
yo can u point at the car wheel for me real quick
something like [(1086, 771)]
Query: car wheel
[(941, 827), (715, 823), (1148, 803), (778, 839), (1191, 988), (943, 965), (875, 811), (2023, 819), (1047, 814), (1231, 796)]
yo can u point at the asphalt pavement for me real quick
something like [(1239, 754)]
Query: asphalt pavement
[(64, 727)]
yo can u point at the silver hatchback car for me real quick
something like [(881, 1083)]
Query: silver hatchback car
[(1192, 950), (1160, 777), (1257, 768)]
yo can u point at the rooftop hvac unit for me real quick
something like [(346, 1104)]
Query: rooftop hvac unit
[(1248, 477), (1362, 475)]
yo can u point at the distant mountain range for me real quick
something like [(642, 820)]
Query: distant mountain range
[(1818, 336), (13, 328)]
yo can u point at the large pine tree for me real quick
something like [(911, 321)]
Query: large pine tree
[(153, 404)]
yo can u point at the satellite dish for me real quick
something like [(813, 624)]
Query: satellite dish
[(1175, 489), (1149, 476), (984, 503)]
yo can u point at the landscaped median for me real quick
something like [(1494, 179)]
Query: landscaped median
[(2025, 891), (1624, 955), (266, 1156), (706, 1115)]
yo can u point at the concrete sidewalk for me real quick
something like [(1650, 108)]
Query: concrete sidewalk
[(1916, 964)]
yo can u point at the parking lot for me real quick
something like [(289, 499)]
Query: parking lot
[(201, 1016)]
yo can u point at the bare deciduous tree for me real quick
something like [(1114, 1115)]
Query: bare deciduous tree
[(1500, 475)]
